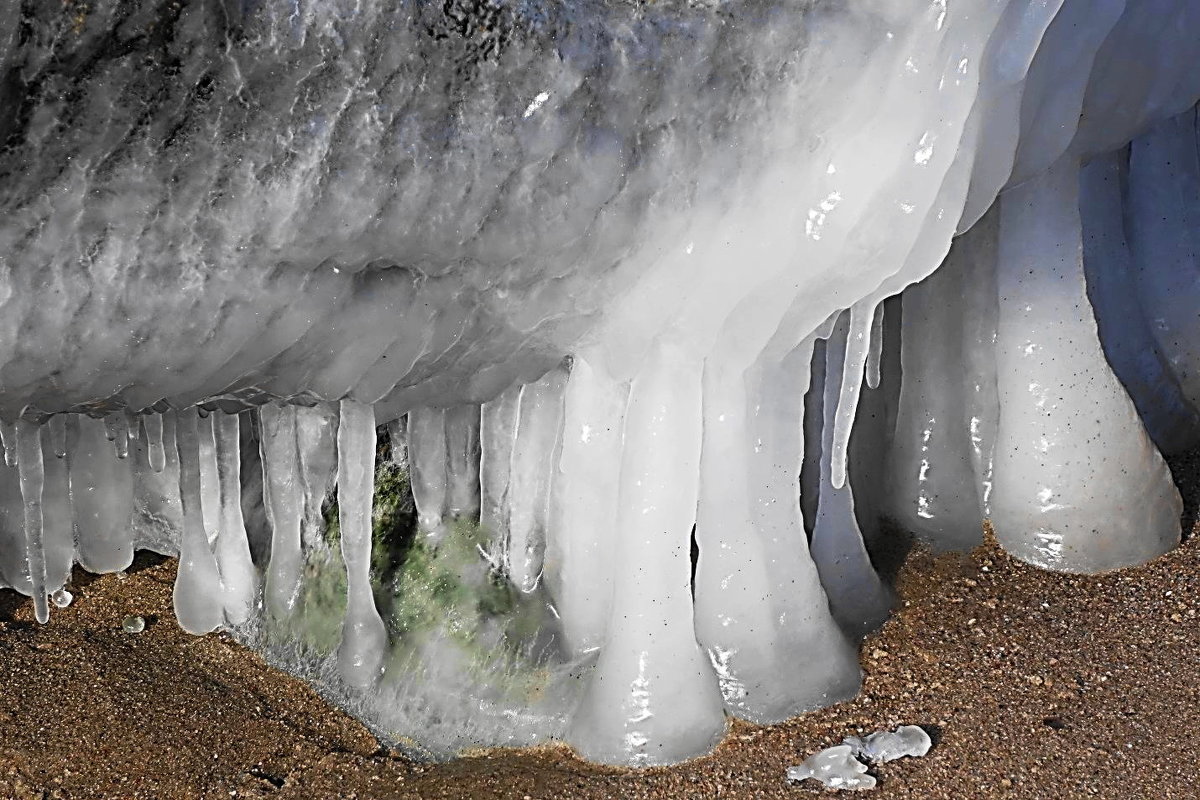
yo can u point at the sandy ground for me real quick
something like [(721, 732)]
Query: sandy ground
[(1033, 685)]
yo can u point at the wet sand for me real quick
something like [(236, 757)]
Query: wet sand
[(1033, 685)]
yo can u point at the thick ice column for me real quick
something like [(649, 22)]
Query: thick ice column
[(1129, 344), (239, 579), (857, 596), (980, 302), (497, 433), (32, 477), (1164, 226), (198, 593), (760, 611), (427, 473), (652, 697), (1078, 485), (933, 487), (534, 460), (283, 497), (101, 498), (462, 461), (364, 637), (580, 552), (58, 535)]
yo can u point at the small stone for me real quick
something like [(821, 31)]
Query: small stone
[(133, 624)]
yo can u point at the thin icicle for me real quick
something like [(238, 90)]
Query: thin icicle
[(58, 536), (197, 594), (364, 637), (316, 449), (857, 345), (210, 488), (238, 576), (398, 433), (8, 437), (462, 460), (29, 465), (534, 460), (875, 351), (115, 428), (155, 452), (58, 435), (498, 431), (283, 499), (427, 449)]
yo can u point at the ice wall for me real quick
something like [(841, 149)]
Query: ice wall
[(461, 351)]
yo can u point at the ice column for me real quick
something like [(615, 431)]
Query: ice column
[(101, 498), (1079, 486), (498, 431), (238, 576), (283, 498), (933, 486), (652, 697), (761, 613), (58, 535), (364, 637), (858, 597), (198, 594), (580, 552), (1135, 356)]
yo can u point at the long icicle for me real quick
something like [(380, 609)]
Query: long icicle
[(29, 465), (364, 637), (197, 593), (283, 500), (238, 576), (857, 346), (875, 350), (155, 452)]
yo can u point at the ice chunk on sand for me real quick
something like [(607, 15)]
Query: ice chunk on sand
[(836, 767), (881, 746)]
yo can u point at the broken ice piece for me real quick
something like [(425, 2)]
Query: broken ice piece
[(62, 598), (907, 740), (133, 624), (835, 767)]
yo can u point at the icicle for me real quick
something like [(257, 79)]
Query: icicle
[(857, 596), (210, 487), (462, 460), (155, 452), (534, 458), (283, 499), (124, 431), (8, 437), (364, 637), (398, 435), (29, 465), (58, 537), (427, 449), (858, 343), (583, 505), (197, 593), (101, 497), (58, 435), (115, 428), (498, 431), (653, 697), (316, 449), (875, 351), (238, 576)]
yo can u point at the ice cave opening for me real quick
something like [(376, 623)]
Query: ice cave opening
[(518, 371)]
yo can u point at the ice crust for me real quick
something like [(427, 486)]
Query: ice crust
[(608, 283)]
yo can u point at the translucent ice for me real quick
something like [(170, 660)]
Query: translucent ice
[(836, 768)]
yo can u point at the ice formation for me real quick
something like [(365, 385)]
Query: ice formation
[(539, 370)]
